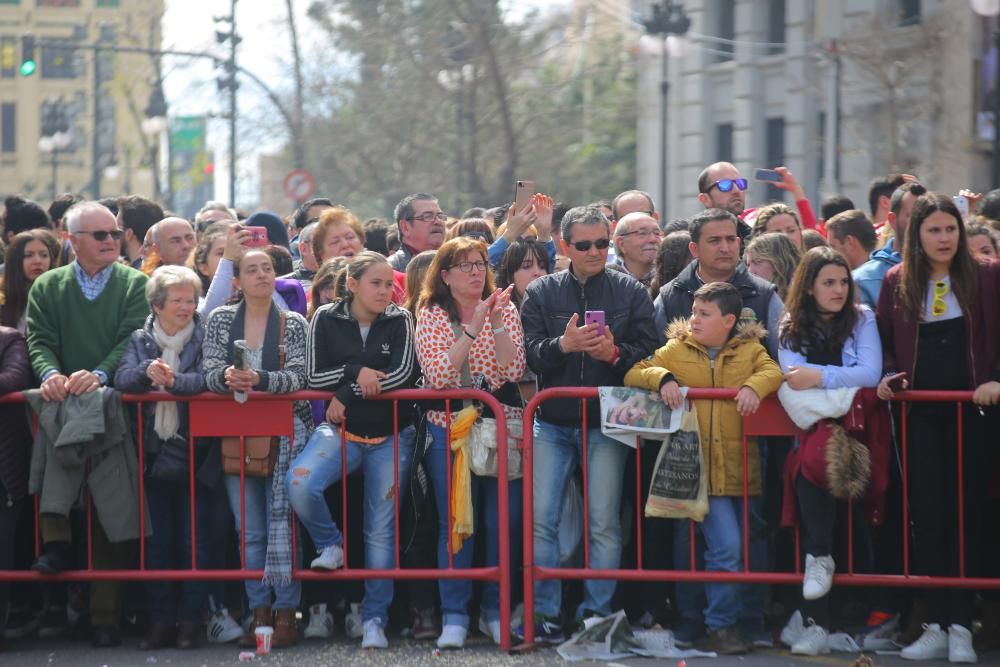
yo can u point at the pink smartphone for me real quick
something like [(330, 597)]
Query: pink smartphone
[(595, 317), (258, 237)]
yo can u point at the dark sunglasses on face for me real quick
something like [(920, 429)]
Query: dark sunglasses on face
[(584, 246), (102, 235), (726, 184)]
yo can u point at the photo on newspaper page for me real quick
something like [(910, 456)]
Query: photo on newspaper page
[(627, 412)]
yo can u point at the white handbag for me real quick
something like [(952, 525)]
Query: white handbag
[(482, 447)]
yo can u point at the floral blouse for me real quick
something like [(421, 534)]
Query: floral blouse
[(436, 335)]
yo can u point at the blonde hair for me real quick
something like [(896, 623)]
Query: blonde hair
[(778, 249)]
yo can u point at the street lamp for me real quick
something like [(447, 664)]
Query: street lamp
[(669, 22), (153, 126), (55, 137), (990, 8)]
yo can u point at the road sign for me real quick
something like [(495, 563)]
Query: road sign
[(299, 185)]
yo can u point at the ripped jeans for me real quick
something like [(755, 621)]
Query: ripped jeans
[(319, 466)]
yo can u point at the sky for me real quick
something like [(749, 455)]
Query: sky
[(190, 85)]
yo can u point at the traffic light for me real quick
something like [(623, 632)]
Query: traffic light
[(28, 63)]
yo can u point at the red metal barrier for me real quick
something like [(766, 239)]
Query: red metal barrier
[(769, 420), (216, 415)]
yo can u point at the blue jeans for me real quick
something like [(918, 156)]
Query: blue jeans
[(455, 594), (258, 512), (169, 547), (319, 466), (723, 533), (557, 453)]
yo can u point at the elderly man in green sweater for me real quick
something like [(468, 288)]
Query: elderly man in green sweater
[(80, 317)]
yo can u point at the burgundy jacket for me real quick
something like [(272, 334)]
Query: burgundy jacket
[(15, 429), (899, 333)]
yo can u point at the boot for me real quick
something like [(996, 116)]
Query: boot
[(988, 638), (286, 629), (261, 617)]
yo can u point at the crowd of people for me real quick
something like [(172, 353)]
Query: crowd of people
[(118, 295)]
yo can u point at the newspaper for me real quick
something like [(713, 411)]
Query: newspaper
[(612, 638), (627, 412)]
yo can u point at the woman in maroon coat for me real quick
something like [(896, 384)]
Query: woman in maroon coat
[(939, 319), (15, 448)]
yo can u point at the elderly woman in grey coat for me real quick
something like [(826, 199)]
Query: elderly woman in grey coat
[(165, 355)]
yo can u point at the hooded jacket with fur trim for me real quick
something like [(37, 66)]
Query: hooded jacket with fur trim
[(742, 362)]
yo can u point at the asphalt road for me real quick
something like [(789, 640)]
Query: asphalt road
[(336, 652)]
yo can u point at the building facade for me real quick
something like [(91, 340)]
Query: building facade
[(97, 98), (839, 91)]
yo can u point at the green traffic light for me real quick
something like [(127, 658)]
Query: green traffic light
[(28, 67)]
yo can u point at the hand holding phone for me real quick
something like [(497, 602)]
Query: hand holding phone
[(898, 382), (523, 192), (962, 204)]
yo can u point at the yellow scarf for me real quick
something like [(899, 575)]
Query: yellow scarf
[(461, 479)]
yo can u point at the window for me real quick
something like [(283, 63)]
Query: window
[(57, 3), (58, 62), (909, 12), (775, 137), (10, 2), (776, 26), (109, 3), (725, 28), (8, 57), (8, 127), (724, 142)]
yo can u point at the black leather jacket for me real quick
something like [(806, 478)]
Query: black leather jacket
[(549, 303)]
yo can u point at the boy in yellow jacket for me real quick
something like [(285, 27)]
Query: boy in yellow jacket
[(709, 350)]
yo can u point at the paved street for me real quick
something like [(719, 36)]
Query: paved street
[(340, 652)]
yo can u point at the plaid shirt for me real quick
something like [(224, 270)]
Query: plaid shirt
[(91, 287)]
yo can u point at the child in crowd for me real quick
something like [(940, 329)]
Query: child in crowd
[(709, 350)]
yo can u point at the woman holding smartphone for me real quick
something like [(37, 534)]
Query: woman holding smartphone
[(939, 317)]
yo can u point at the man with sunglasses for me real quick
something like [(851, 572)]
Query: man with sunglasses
[(421, 227), (80, 317), (721, 185), (565, 352)]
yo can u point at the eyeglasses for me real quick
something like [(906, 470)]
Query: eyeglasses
[(643, 233), (103, 234), (475, 235), (726, 184), (466, 267), (938, 306), (428, 216), (584, 246)]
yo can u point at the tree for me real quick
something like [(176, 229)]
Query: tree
[(453, 97)]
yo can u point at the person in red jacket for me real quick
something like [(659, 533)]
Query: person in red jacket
[(939, 319)]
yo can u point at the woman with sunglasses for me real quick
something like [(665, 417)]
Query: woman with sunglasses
[(939, 317), (464, 323)]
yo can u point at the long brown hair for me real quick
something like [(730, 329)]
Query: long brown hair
[(435, 292), (15, 283), (915, 275), (416, 271), (799, 330)]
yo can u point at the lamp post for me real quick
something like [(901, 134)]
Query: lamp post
[(669, 18), (153, 126), (991, 8), (55, 137)]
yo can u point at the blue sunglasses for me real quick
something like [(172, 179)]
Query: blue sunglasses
[(726, 184)]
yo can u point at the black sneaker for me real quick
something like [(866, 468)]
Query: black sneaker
[(21, 623), (546, 630), (54, 559), (724, 641), (686, 633)]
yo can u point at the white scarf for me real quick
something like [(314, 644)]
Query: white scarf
[(167, 422)]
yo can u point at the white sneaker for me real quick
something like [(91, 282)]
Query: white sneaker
[(490, 628), (331, 558), (818, 578), (452, 636), (932, 645), (222, 629), (320, 622), (374, 635), (960, 645), (353, 626), (793, 630), (814, 640), (883, 638)]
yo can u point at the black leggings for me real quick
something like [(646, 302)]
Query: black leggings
[(818, 515)]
